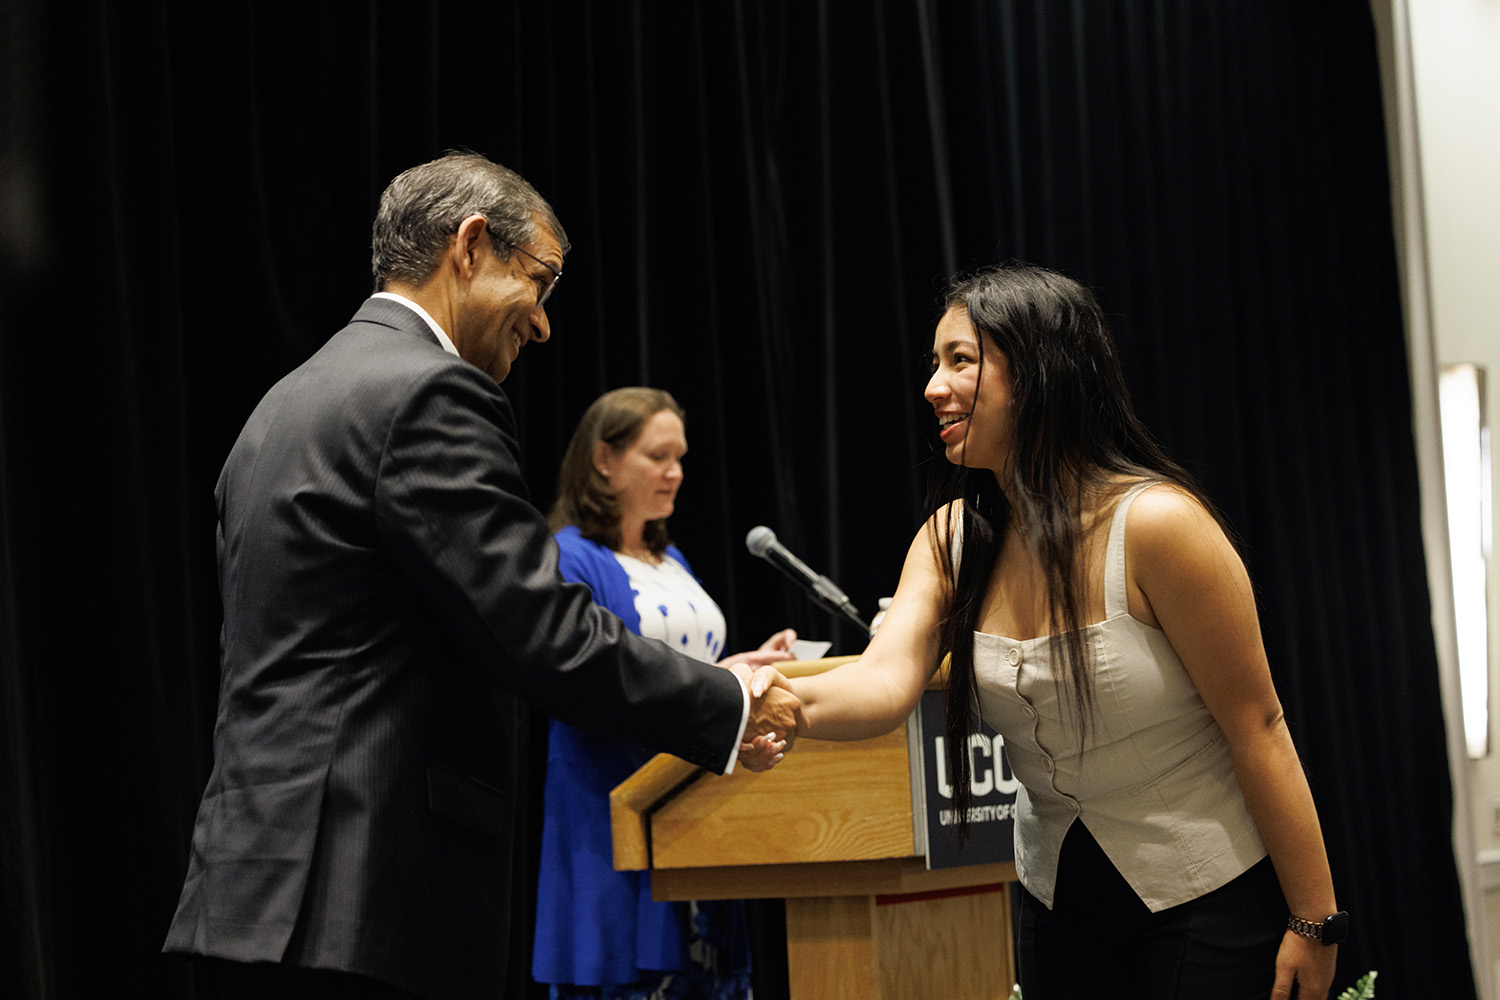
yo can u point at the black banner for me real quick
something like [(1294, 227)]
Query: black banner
[(993, 787)]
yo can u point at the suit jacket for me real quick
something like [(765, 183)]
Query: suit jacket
[(390, 599)]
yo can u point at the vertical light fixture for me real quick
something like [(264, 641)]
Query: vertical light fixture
[(1466, 470)]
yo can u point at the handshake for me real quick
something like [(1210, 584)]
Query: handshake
[(775, 711), (774, 714)]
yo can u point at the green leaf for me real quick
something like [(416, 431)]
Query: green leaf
[(1363, 988)]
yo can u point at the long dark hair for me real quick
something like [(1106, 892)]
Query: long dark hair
[(584, 496), (1076, 442)]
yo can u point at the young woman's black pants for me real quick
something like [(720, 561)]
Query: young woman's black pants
[(1099, 939)]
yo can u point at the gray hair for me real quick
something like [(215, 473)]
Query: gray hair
[(422, 208)]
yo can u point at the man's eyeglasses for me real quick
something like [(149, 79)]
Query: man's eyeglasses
[(556, 274)]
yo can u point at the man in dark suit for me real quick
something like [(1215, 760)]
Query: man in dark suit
[(391, 599)]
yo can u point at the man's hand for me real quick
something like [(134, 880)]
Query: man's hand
[(774, 715)]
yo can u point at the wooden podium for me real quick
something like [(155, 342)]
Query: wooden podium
[(830, 829)]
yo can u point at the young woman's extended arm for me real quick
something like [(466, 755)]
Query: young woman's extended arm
[(875, 694)]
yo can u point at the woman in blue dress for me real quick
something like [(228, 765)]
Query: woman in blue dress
[(599, 934)]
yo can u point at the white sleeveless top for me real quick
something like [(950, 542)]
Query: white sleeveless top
[(1156, 786)]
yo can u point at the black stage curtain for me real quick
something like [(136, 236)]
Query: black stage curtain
[(765, 199)]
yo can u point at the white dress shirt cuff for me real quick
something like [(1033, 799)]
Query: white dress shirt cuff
[(734, 754)]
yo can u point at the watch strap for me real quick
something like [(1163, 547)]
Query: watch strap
[(1332, 929), (1307, 928)]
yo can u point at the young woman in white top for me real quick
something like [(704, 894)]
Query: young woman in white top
[(1099, 617)]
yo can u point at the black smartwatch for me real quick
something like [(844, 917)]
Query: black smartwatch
[(1331, 930)]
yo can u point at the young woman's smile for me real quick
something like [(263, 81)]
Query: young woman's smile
[(970, 391)]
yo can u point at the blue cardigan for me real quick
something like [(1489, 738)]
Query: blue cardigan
[(587, 562)]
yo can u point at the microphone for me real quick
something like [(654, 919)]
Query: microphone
[(761, 541)]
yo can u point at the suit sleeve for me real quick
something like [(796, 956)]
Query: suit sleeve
[(453, 510)]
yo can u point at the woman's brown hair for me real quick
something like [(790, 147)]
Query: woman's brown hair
[(584, 497)]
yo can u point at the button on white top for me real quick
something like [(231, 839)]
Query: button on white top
[(1013, 655)]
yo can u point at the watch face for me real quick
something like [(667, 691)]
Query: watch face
[(1336, 927)]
